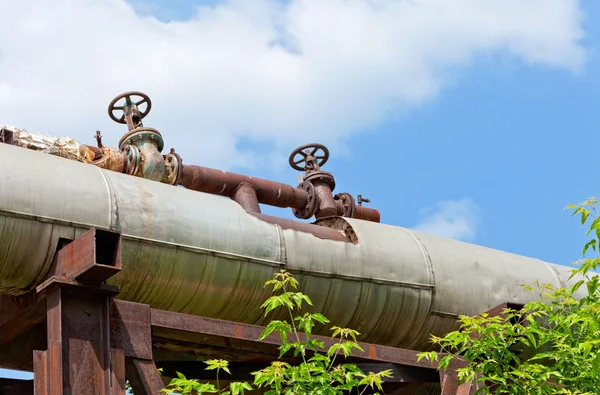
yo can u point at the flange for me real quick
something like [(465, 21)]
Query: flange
[(138, 134), (173, 168), (317, 177), (133, 159), (312, 202), (347, 203)]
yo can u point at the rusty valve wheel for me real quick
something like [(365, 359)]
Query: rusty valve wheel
[(112, 107), (309, 154)]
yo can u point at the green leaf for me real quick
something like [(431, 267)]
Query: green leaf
[(596, 365), (591, 243)]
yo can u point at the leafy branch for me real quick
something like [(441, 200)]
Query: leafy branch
[(318, 371), (550, 346)]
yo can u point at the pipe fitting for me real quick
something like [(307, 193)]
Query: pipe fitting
[(173, 167), (324, 184), (149, 143), (245, 196)]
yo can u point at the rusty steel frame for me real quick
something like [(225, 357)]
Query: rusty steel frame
[(94, 342)]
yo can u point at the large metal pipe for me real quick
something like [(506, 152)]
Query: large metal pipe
[(195, 253)]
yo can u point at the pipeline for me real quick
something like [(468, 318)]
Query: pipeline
[(249, 191), (139, 155), (196, 253)]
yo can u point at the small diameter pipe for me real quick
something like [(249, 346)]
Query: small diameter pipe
[(218, 182), (245, 196), (367, 214), (223, 183)]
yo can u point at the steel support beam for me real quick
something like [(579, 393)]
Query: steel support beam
[(168, 320)]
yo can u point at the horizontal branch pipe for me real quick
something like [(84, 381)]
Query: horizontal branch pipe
[(362, 212), (224, 183)]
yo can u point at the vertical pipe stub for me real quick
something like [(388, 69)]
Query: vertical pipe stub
[(245, 196)]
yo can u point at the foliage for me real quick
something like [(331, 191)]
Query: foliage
[(551, 346), (320, 371)]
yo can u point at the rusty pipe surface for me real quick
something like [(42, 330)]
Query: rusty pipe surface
[(219, 182), (316, 230), (245, 196), (360, 212), (366, 213)]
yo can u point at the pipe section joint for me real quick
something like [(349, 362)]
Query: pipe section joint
[(149, 144)]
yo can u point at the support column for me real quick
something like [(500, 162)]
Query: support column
[(79, 358)]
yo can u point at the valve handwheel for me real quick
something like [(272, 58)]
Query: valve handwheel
[(112, 107), (309, 153)]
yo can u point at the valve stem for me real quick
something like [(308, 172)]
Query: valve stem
[(98, 138), (362, 199)]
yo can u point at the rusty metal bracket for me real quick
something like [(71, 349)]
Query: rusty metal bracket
[(91, 258), (6, 136)]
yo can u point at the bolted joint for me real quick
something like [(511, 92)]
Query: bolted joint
[(311, 205), (345, 204), (173, 167), (149, 144)]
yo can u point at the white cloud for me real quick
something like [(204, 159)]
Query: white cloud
[(260, 70), (454, 219)]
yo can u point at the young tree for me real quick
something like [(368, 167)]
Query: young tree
[(550, 346), (319, 372)]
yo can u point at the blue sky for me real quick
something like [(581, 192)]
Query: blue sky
[(488, 146), (506, 142)]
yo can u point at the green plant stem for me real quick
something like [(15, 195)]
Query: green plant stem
[(296, 333), (334, 356), (294, 327)]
